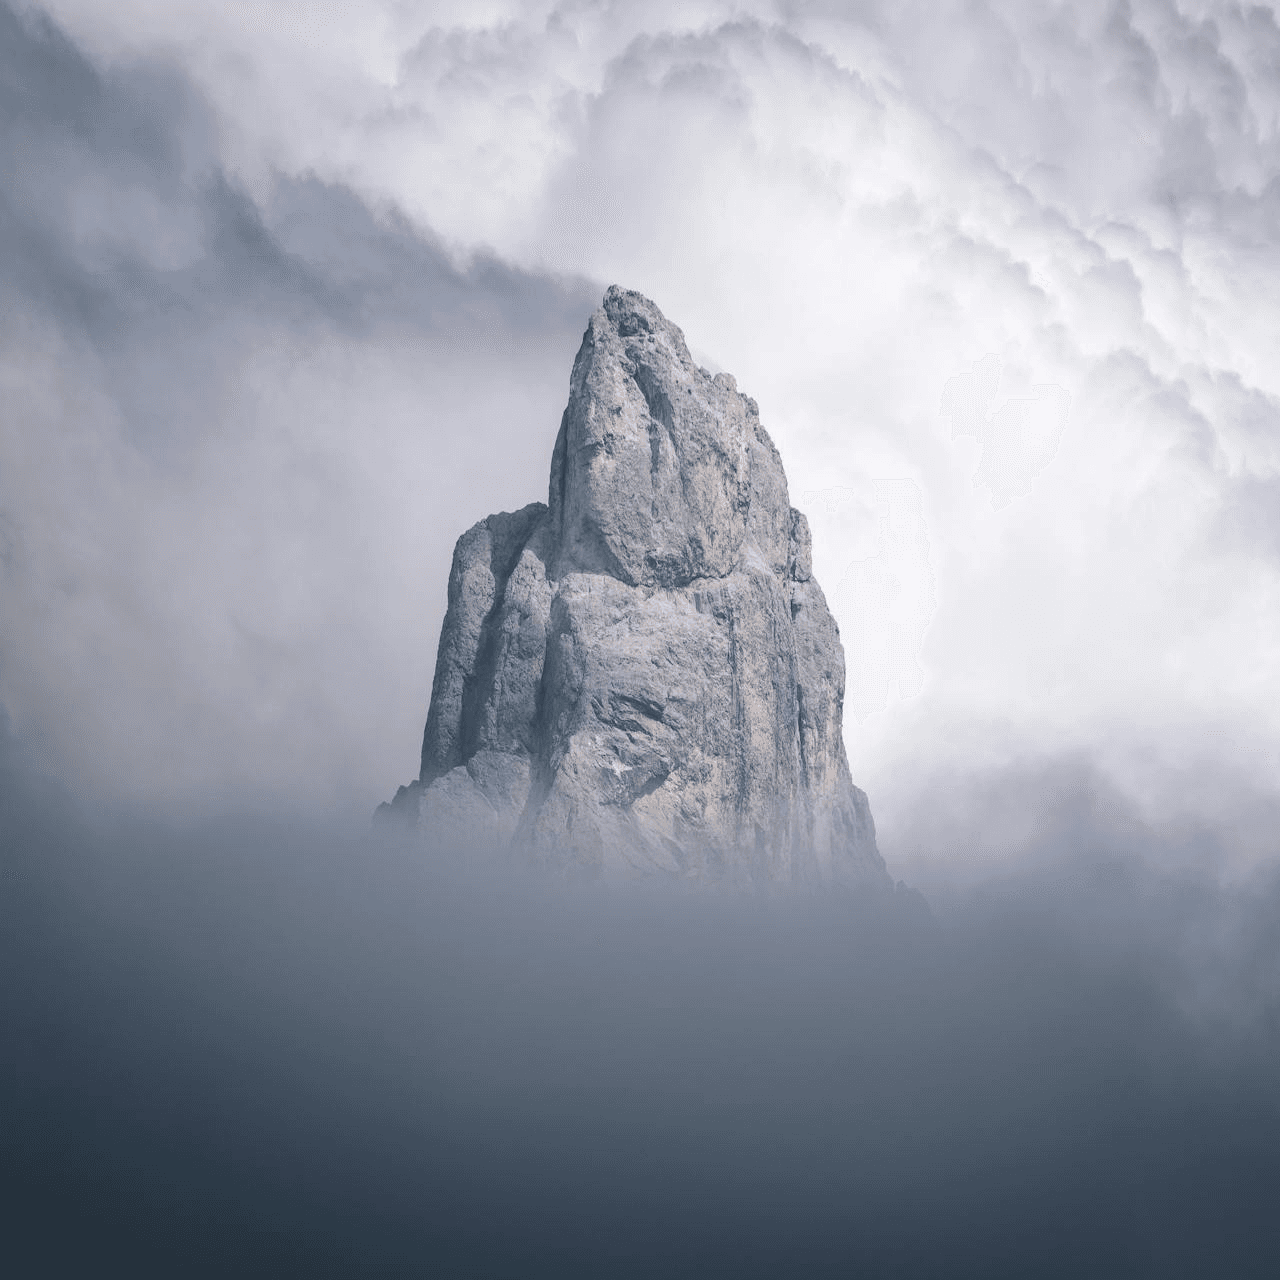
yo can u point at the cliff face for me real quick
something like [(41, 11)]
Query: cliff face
[(642, 675)]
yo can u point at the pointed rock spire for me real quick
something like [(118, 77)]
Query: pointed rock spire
[(643, 676)]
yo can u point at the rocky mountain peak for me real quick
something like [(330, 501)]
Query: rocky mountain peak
[(642, 676), (662, 473)]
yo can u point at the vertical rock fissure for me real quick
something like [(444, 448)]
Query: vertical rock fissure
[(655, 463)]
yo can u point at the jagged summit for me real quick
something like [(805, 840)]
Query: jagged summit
[(642, 675)]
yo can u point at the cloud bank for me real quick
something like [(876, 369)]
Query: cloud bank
[(263, 1049)]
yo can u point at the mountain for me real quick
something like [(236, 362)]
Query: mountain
[(643, 675)]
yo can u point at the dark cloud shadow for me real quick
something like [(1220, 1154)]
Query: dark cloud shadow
[(119, 222)]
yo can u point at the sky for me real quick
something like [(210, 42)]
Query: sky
[(289, 298), (292, 293)]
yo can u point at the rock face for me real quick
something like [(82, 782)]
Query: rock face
[(642, 675)]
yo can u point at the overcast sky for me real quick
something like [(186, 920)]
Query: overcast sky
[(289, 296)]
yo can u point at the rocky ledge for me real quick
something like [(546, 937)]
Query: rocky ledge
[(642, 675)]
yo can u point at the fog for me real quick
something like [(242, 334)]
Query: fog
[(261, 1048)]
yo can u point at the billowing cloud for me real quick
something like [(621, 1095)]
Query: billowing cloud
[(849, 207), (238, 441)]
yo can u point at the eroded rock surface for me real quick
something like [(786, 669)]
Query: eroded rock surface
[(643, 675)]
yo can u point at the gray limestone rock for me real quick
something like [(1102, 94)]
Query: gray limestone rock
[(642, 676)]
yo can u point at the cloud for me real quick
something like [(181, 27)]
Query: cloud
[(261, 1046), (233, 434), (884, 601), (844, 206), (1019, 439)]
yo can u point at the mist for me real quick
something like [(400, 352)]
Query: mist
[(257, 1046)]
